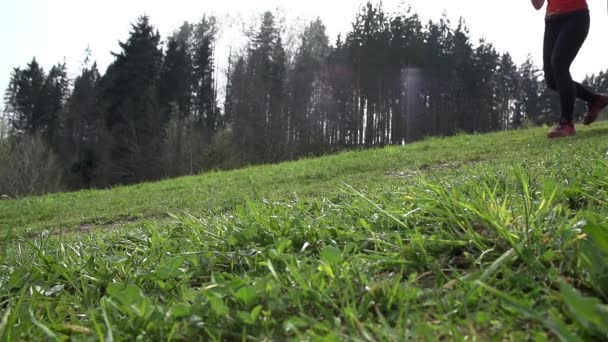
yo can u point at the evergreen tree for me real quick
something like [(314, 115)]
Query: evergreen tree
[(263, 79), (228, 99), (240, 104), (83, 129), (52, 100), (131, 101), (483, 78), (176, 82), (372, 57), (10, 112), (436, 68), (36, 100), (205, 92), (507, 88), (460, 90), (26, 89), (529, 95), (305, 77), (407, 40), (276, 101), (341, 80)]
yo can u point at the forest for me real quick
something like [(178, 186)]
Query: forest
[(157, 112)]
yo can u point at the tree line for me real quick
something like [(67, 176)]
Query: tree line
[(156, 112)]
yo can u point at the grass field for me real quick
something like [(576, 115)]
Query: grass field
[(498, 237)]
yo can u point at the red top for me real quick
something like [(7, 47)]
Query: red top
[(557, 7)]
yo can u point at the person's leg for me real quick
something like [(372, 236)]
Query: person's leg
[(572, 35), (584, 93), (553, 28), (551, 34)]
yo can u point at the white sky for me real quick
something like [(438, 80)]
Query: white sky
[(62, 29)]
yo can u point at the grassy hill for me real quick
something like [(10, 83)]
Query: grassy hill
[(495, 237)]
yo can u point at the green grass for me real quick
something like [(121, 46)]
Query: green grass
[(488, 237)]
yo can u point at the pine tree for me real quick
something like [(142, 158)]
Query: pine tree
[(240, 104), (205, 98), (36, 100), (483, 79), (507, 90), (276, 102), (10, 112), (529, 96), (306, 81), (373, 56), (461, 89), (26, 87), (436, 67), (176, 82), (262, 76), (83, 129), (53, 98), (405, 59), (228, 99), (131, 101), (341, 80)]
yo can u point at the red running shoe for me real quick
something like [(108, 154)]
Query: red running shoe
[(563, 129), (595, 108)]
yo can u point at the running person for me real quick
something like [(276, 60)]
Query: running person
[(566, 28)]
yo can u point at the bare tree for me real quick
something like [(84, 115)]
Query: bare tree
[(29, 168)]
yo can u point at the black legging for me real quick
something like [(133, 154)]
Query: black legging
[(564, 36)]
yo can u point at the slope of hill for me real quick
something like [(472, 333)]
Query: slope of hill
[(496, 237)]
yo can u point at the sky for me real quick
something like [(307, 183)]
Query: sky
[(58, 30)]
